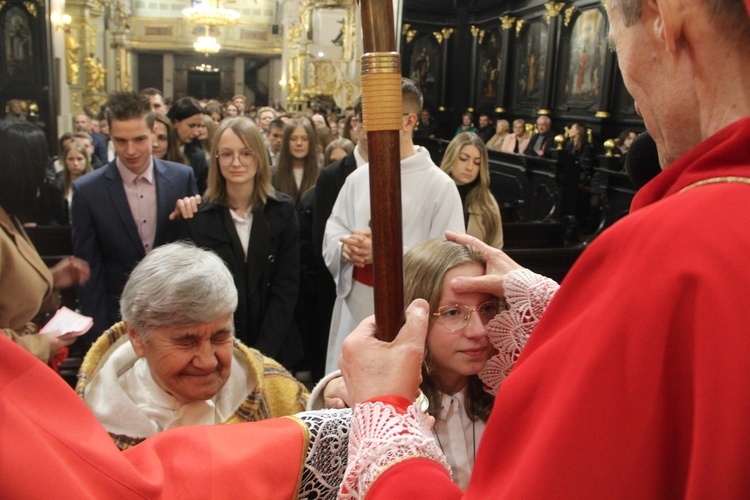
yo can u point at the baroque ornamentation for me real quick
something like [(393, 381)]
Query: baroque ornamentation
[(71, 58), (31, 7), (569, 15), (553, 9), (507, 22), (519, 27)]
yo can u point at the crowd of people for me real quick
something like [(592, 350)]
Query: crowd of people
[(627, 380)]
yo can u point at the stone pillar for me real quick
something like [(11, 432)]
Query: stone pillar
[(239, 78), (168, 85)]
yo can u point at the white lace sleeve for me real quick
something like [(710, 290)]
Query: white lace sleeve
[(527, 295), (326, 457), (380, 438)]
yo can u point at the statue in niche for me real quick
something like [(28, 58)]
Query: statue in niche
[(71, 58), (18, 42), (95, 73)]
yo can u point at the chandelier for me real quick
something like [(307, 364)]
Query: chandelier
[(207, 45), (210, 13)]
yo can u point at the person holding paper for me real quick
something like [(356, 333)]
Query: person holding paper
[(27, 286)]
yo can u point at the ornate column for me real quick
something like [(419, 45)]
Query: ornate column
[(86, 73), (121, 73)]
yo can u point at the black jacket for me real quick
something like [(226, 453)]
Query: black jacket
[(548, 144), (267, 281)]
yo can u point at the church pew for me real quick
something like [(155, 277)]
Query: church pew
[(550, 262)]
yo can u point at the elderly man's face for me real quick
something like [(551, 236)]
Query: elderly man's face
[(542, 125), (653, 80), (82, 123), (192, 363)]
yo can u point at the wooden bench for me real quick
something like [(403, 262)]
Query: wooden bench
[(550, 262)]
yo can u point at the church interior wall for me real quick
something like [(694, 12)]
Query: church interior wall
[(525, 58)]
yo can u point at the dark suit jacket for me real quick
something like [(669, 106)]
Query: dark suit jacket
[(196, 157), (105, 234), (547, 144), (330, 181), (99, 142), (268, 281)]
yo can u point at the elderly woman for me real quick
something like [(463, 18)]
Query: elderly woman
[(516, 142), (174, 361)]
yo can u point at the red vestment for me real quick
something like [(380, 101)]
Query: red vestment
[(635, 382), (52, 446)]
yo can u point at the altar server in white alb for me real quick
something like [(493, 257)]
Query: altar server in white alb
[(430, 206)]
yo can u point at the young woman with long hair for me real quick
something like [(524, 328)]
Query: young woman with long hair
[(254, 229), (166, 145), (465, 160), (75, 164), (297, 168), (186, 115), (578, 142), (457, 349)]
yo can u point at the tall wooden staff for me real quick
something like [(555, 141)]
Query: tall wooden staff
[(382, 119)]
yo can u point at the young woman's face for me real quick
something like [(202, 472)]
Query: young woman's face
[(161, 140), (466, 167), (202, 131), (456, 355), (238, 163), (232, 110), (466, 120), (337, 154), (629, 140), (299, 143), (75, 162), (189, 128)]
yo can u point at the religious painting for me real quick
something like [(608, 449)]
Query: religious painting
[(585, 52), (531, 62), (425, 67), (18, 51), (491, 67)]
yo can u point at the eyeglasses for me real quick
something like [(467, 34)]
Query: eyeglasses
[(457, 316), (226, 158)]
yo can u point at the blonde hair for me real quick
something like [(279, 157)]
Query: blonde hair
[(208, 122), (480, 194), (67, 179), (425, 267), (248, 133)]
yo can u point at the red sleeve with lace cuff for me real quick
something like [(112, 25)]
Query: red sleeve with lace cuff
[(414, 478), (399, 403)]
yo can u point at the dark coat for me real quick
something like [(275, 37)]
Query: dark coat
[(267, 281), (105, 234), (548, 143), (196, 158), (330, 181)]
